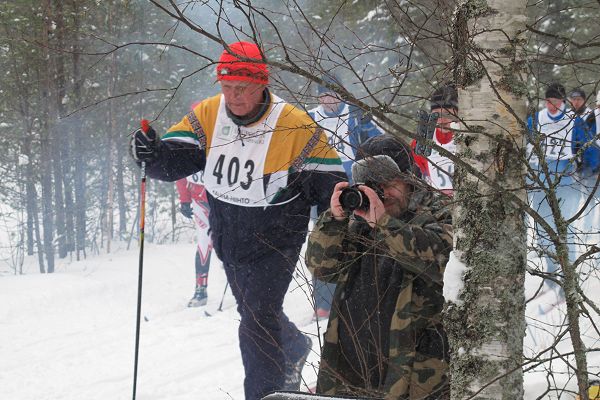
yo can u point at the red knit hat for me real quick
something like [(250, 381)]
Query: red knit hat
[(231, 68)]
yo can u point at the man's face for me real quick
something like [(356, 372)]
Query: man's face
[(397, 195), (554, 105), (577, 102), (242, 98), (329, 101), (447, 116)]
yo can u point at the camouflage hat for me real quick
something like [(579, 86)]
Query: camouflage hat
[(395, 150)]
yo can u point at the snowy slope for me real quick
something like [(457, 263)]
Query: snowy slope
[(547, 337), (70, 335)]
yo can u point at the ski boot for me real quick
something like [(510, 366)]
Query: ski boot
[(200, 297), (293, 368)]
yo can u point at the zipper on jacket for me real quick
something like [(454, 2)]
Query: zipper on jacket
[(240, 136)]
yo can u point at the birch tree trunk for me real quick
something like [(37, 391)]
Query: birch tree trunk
[(28, 179), (120, 186), (109, 218), (64, 133), (58, 141), (486, 323), (38, 235), (45, 146), (59, 204), (33, 221), (80, 164)]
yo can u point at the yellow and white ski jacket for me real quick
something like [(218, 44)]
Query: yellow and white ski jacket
[(261, 178)]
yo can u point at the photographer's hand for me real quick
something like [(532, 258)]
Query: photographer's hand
[(337, 211), (376, 209)]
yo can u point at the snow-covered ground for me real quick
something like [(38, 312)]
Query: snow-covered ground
[(547, 338), (71, 334)]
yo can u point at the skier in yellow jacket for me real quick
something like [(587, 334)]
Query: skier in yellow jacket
[(265, 164)]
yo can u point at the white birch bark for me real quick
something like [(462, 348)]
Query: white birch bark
[(486, 327)]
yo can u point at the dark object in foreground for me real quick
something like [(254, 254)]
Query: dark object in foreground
[(309, 396)]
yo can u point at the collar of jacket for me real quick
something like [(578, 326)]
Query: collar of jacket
[(249, 120), (582, 111), (558, 116)]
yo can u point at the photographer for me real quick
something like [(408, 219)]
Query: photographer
[(385, 243)]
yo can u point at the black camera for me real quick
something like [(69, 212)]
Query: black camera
[(352, 198)]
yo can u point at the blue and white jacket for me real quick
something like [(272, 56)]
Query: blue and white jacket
[(587, 122), (346, 130), (560, 138)]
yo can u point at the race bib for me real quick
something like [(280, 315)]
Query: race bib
[(197, 178), (441, 168), (235, 163), (557, 136)]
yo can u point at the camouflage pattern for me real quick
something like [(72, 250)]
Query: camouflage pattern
[(419, 243)]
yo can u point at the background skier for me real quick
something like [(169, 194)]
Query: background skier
[(194, 205)]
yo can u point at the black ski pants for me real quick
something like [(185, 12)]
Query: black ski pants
[(267, 337)]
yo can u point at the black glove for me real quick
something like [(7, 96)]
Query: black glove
[(186, 210), (144, 146)]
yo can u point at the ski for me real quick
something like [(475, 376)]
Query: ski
[(211, 314), (216, 311)]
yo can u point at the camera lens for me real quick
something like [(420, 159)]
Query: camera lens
[(352, 199)]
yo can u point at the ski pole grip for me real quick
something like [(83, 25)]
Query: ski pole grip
[(145, 126)]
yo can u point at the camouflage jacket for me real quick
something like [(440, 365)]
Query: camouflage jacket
[(395, 272)]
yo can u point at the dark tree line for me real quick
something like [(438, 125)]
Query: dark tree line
[(77, 78)]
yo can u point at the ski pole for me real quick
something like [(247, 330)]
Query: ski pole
[(145, 129), (223, 297)]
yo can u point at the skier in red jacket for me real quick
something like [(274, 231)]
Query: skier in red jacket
[(437, 169), (194, 205)]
